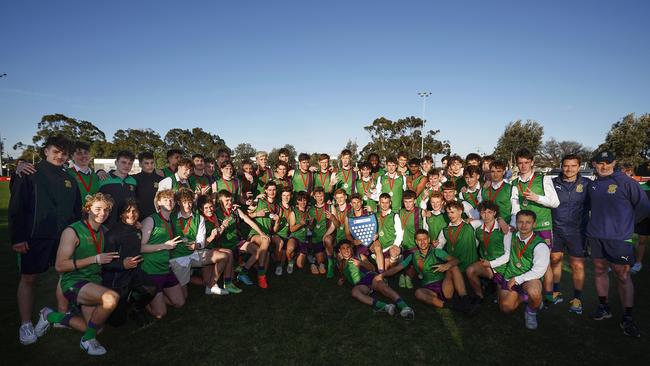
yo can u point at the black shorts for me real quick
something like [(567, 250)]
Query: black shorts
[(575, 244), (615, 251), (643, 227), (40, 256)]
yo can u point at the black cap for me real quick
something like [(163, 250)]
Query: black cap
[(602, 156)]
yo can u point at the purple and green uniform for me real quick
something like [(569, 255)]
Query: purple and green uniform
[(266, 175), (321, 223), (198, 181), (282, 183), (168, 172), (491, 245), (342, 217), (364, 189), (176, 185), (301, 234), (411, 222), (459, 181), (157, 263), (386, 230), (88, 183), (424, 265), (86, 248), (302, 181), (210, 224), (345, 179), (323, 179), (394, 187), (436, 223), (471, 197), (461, 244), (544, 221), (231, 186), (517, 266), (415, 182), (186, 228), (229, 238), (284, 213), (356, 274), (265, 223), (500, 197)]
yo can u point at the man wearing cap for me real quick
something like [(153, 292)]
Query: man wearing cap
[(617, 202)]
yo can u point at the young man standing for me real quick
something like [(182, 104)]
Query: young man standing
[(120, 185), (391, 183), (569, 223), (458, 239), (303, 179), (535, 192), (324, 178), (455, 172), (346, 177), (498, 190), (470, 196), (147, 183), (81, 172), (227, 181), (415, 181), (529, 259), (173, 156), (263, 172), (42, 205), (365, 186), (200, 182), (617, 202), (180, 179)]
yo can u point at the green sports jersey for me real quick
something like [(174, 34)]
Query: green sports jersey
[(386, 229), (187, 228), (536, 185), (364, 188), (201, 181), (461, 244), (521, 255), (437, 222), (394, 187), (345, 179), (282, 183), (176, 184), (459, 181), (265, 223), (490, 244), (415, 182), (301, 234), (229, 238), (321, 223), (501, 197), (411, 222), (471, 197), (168, 172), (284, 213), (262, 177), (425, 264), (353, 271), (88, 183), (162, 231), (342, 217), (210, 224), (91, 243), (323, 179), (233, 186), (302, 181)]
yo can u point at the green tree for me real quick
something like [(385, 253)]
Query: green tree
[(517, 135), (551, 153), (354, 148), (139, 140), (243, 152), (389, 138), (196, 141), (629, 139), (29, 153), (74, 129), (293, 155)]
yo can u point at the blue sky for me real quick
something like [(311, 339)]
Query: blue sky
[(313, 73)]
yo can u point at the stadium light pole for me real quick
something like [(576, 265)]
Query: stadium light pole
[(424, 96), (2, 151)]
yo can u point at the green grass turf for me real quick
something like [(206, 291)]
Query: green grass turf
[(304, 319)]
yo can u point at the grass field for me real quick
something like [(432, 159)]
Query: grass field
[(303, 319)]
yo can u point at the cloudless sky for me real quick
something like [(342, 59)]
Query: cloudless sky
[(313, 73)]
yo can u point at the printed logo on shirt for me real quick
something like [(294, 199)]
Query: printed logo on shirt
[(155, 185), (579, 188), (612, 188), (68, 184), (131, 188)]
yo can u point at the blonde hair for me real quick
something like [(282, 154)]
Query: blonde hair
[(167, 193), (261, 153), (97, 197)]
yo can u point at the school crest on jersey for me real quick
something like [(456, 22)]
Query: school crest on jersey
[(612, 188), (131, 188), (155, 185), (579, 188), (68, 184)]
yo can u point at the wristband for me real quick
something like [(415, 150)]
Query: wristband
[(97, 259)]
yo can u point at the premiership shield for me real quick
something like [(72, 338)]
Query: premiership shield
[(363, 228)]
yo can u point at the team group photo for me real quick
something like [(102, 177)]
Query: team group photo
[(266, 200)]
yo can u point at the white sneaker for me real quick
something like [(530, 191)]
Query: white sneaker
[(216, 290), (43, 324), (278, 271), (636, 268), (407, 313), (390, 309), (92, 347), (290, 268), (531, 320), (311, 259), (26, 334)]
